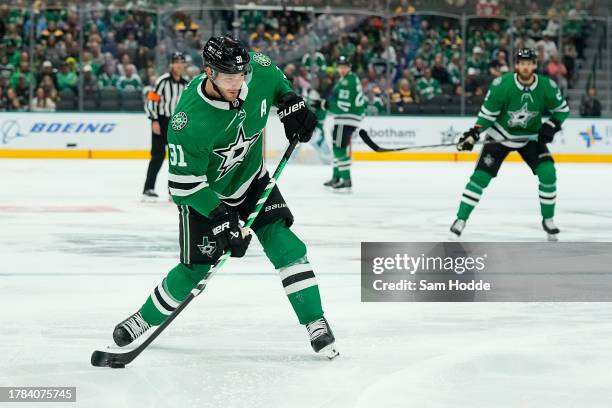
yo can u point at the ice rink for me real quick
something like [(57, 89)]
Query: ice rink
[(79, 252)]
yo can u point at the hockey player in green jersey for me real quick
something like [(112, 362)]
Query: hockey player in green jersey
[(216, 176), (348, 106), (512, 112)]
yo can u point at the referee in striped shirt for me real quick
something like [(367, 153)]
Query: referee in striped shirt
[(160, 107)]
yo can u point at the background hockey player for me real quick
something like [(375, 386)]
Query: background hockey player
[(217, 175), (513, 109), (348, 106)]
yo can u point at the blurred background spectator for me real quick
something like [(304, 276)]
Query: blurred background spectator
[(410, 59), (590, 105), (41, 102)]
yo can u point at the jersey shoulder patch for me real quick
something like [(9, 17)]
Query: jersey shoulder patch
[(262, 59), (178, 121), (553, 84), (497, 81)]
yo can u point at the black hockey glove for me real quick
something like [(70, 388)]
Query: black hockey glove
[(298, 120), (227, 232), (469, 138), (319, 104), (548, 130)]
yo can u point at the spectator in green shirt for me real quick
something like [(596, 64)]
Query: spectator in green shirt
[(107, 78), (478, 61), (454, 69), (428, 87), (22, 71), (376, 105), (347, 48), (426, 52), (66, 78), (6, 69), (86, 59), (16, 58), (130, 81), (318, 62)]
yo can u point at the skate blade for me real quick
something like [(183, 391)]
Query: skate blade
[(329, 351), (147, 199), (553, 237), (342, 190)]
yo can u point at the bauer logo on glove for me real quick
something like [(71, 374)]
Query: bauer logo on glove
[(291, 109), (298, 120)]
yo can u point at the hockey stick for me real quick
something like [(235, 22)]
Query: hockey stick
[(119, 360), (372, 145)]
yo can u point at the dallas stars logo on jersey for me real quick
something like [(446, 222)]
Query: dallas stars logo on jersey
[(262, 60), (521, 117), (178, 121), (235, 153)]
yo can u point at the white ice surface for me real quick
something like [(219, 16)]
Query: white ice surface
[(79, 252)]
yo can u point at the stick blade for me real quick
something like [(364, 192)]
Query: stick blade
[(113, 360), (370, 143)]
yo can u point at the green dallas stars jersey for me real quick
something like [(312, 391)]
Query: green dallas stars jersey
[(512, 111), (349, 104), (216, 147)]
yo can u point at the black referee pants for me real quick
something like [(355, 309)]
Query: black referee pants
[(158, 152)]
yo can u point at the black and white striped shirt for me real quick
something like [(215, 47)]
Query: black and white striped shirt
[(163, 100)]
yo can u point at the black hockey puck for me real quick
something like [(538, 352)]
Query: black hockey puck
[(116, 365)]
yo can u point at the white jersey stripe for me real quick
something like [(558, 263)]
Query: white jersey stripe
[(186, 179), (183, 193)]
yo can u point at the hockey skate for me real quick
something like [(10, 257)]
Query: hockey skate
[(456, 229), (331, 182), (149, 196), (322, 339), (130, 329), (551, 229), (342, 186)]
